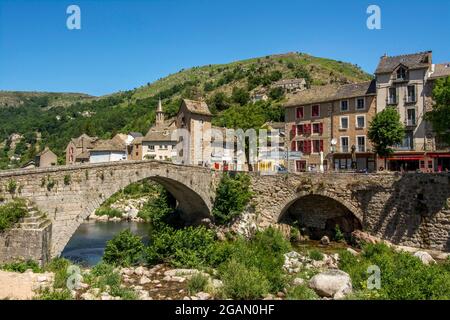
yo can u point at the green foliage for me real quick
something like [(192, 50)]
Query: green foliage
[(50, 184), (240, 96), (316, 255), (276, 93), (440, 115), (403, 276), (242, 282), (338, 235), (54, 294), (11, 213), (112, 213), (22, 266), (125, 249), (67, 179), (301, 72), (197, 283), (385, 131), (301, 293), (59, 267), (232, 195), (12, 186)]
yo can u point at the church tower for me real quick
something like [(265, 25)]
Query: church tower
[(159, 114)]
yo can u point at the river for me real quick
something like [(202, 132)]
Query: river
[(87, 245)]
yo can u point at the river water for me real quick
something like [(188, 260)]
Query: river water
[(87, 245)]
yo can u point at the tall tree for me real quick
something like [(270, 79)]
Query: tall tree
[(385, 131), (440, 115)]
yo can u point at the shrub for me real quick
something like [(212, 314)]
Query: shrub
[(67, 180), (242, 282), (316, 255), (403, 276), (12, 186), (22, 266), (233, 194), (197, 283), (301, 293), (110, 212), (125, 249), (52, 294), (338, 235), (11, 213), (59, 267)]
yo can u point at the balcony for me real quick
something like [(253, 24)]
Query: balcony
[(391, 101), (411, 122), (410, 99)]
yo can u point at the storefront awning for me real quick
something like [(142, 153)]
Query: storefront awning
[(407, 158), (439, 155)]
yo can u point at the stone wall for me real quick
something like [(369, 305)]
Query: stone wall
[(26, 244), (409, 209)]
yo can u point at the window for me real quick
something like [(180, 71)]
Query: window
[(300, 129), (300, 146), (401, 73), (360, 122), (317, 146), (344, 123), (152, 148), (411, 117), (411, 96), (344, 105), (300, 113), (392, 99), (344, 144), (361, 140), (360, 103), (316, 128), (315, 111), (300, 165)]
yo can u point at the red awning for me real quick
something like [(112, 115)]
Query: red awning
[(407, 158), (439, 155)]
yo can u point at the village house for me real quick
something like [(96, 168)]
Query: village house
[(271, 156), (405, 83), (327, 124), (77, 151), (291, 85), (46, 158), (223, 145), (111, 150)]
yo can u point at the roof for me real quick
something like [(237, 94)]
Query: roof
[(84, 140), (275, 125), (114, 144), (135, 134), (159, 135), (331, 93), (197, 107), (411, 61), (441, 70), (138, 140), (83, 155), (47, 149)]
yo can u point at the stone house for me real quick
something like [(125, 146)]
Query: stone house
[(291, 85), (324, 123), (77, 150), (194, 142), (46, 158), (405, 83), (111, 150)]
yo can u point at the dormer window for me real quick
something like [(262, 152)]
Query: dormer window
[(401, 73)]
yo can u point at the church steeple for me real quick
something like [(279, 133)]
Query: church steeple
[(159, 114)]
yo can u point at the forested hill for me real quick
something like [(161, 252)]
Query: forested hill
[(30, 121)]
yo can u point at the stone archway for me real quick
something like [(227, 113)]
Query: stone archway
[(317, 215)]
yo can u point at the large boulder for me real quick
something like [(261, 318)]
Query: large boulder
[(334, 284), (425, 257)]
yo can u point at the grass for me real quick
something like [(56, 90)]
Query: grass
[(197, 283), (22, 266), (316, 255), (11, 213), (301, 292)]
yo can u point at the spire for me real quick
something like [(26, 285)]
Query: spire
[(159, 114)]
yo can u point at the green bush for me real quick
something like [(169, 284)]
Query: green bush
[(316, 255), (403, 276), (232, 195), (338, 235), (242, 282), (67, 179), (197, 283), (11, 213), (52, 294), (111, 213), (22, 266), (301, 293), (187, 247), (12, 186), (59, 267), (125, 249)]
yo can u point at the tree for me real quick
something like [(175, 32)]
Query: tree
[(240, 95), (276, 93), (385, 131), (440, 115), (301, 72)]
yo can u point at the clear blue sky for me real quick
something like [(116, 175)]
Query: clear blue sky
[(125, 44)]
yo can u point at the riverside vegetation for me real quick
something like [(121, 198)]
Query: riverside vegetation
[(269, 265)]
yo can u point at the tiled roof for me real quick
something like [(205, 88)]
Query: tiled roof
[(412, 61), (163, 135), (47, 149), (135, 134), (332, 93), (84, 141), (114, 144), (441, 70), (197, 107)]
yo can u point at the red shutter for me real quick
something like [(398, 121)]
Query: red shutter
[(308, 130), (294, 131), (321, 145), (307, 146), (321, 128), (293, 145)]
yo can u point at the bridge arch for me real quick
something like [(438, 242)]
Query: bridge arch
[(317, 214)]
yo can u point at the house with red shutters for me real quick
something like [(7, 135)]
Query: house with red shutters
[(326, 123)]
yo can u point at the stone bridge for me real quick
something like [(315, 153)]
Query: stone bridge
[(409, 209)]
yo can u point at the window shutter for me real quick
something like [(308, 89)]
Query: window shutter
[(321, 128), (321, 145), (308, 146), (308, 128), (293, 131), (293, 145), (300, 129)]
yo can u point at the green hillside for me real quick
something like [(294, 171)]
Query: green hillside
[(52, 118)]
